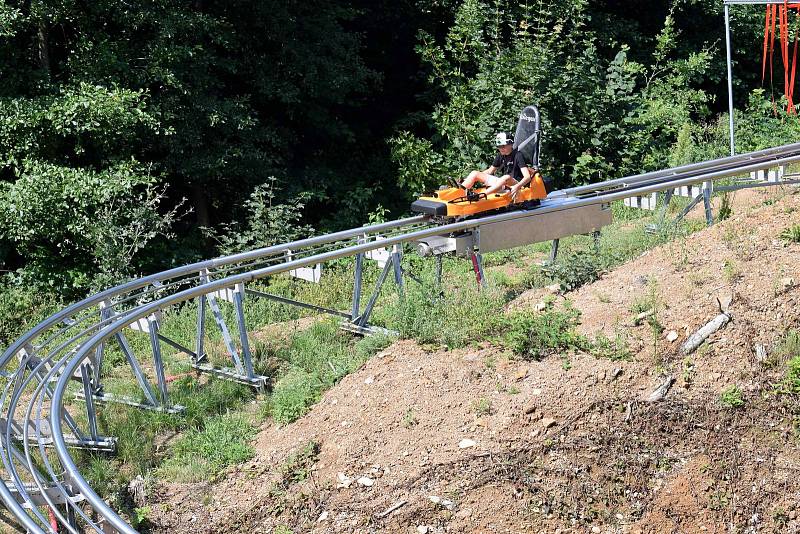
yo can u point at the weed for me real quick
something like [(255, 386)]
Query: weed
[(512, 390), (791, 383), (297, 467), (577, 269), (791, 234), (718, 500), (490, 362), (409, 419), (787, 348), (566, 363), (482, 406), (534, 336), (688, 372), (140, 516), (731, 271), (614, 349), (780, 517), (732, 397), (725, 207), (646, 308)]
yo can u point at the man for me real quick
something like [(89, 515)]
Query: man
[(515, 172)]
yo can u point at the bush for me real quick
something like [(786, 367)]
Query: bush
[(268, 221), (534, 336), (81, 228), (21, 309)]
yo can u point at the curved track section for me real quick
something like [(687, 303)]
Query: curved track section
[(43, 488)]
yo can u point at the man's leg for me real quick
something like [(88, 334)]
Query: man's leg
[(476, 176), (505, 181)]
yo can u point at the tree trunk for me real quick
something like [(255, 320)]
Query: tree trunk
[(44, 47), (200, 203)]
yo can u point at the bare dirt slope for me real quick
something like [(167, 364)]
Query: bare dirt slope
[(515, 446)]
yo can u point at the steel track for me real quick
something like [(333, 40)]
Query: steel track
[(40, 365)]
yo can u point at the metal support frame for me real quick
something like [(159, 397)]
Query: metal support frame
[(729, 63), (362, 319), (242, 371), (93, 391), (553, 252)]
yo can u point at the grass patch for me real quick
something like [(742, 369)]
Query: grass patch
[(317, 358), (455, 318), (482, 406), (202, 452)]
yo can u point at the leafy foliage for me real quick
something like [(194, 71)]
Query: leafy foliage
[(268, 222), (79, 228)]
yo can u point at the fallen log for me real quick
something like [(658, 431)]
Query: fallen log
[(661, 391), (696, 339)]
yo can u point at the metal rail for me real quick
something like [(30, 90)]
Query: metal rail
[(69, 346)]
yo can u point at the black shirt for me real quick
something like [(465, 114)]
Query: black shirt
[(511, 164)]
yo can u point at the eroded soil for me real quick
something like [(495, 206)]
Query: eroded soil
[(569, 448)]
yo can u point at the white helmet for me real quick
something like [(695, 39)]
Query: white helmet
[(502, 139)]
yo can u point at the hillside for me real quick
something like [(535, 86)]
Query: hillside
[(565, 444)]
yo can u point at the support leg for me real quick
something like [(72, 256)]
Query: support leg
[(158, 362), (553, 252), (137, 369), (238, 296), (201, 331), (397, 257), (91, 414), (226, 335), (477, 266), (357, 286), (707, 189), (438, 270), (362, 321)]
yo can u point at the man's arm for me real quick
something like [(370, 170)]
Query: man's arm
[(491, 170), (527, 176)]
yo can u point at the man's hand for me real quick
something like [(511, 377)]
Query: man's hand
[(515, 191)]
